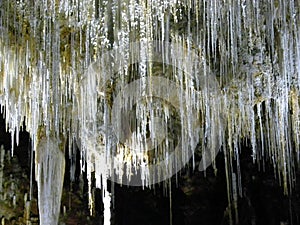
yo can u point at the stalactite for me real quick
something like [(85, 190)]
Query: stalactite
[(150, 81), (50, 169)]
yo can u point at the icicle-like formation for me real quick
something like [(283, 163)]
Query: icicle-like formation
[(140, 84), (50, 170)]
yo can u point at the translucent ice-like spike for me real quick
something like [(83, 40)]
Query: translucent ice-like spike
[(50, 167)]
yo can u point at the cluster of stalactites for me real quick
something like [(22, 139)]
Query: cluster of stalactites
[(252, 48)]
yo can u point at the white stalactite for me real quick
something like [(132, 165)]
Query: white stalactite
[(50, 170)]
